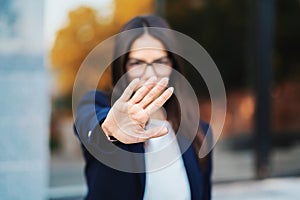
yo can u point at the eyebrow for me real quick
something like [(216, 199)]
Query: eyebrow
[(139, 60)]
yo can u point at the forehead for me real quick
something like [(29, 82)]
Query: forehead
[(148, 48)]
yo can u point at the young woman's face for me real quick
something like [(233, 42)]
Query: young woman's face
[(147, 62)]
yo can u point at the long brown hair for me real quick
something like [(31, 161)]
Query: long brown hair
[(119, 69)]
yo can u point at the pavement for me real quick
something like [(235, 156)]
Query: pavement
[(232, 177), (268, 189)]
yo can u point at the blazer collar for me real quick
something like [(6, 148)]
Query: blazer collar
[(194, 174), (192, 167)]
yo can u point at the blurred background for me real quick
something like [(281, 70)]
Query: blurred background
[(254, 43)]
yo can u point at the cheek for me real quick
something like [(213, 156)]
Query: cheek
[(130, 74), (130, 78)]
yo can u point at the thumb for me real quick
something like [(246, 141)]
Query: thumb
[(156, 132)]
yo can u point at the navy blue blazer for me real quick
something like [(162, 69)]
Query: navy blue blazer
[(107, 183)]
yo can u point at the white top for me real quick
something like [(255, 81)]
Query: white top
[(166, 176)]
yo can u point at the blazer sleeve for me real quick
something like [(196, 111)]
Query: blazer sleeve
[(91, 112), (208, 172), (103, 161)]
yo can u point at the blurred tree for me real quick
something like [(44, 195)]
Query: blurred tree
[(73, 43), (83, 32), (125, 10), (225, 29), (219, 26), (287, 45), (8, 19)]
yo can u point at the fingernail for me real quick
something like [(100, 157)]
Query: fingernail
[(171, 89), (165, 130), (153, 78), (164, 81), (136, 80), (151, 81)]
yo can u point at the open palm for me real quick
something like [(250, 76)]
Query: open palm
[(128, 116)]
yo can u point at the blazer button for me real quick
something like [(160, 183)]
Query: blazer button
[(89, 133)]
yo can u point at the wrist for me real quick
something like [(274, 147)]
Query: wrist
[(107, 132)]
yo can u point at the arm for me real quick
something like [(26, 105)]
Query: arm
[(126, 120), (91, 111), (122, 121), (207, 179), (128, 116), (208, 172)]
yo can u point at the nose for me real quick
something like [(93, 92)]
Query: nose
[(149, 72)]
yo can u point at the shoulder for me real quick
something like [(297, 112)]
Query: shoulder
[(95, 97), (208, 135), (204, 126)]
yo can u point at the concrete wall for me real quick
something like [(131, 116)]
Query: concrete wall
[(24, 103), (24, 117)]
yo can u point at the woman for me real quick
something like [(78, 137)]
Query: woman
[(143, 117)]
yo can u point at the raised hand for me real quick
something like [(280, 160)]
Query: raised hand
[(128, 116)]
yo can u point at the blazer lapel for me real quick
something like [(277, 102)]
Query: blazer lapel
[(139, 159), (195, 176), (194, 173)]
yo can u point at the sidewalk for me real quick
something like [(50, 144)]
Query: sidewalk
[(68, 184), (67, 180), (269, 189)]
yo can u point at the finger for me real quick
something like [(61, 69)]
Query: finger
[(140, 94), (129, 89), (156, 132), (130, 136), (138, 114), (155, 92), (160, 101)]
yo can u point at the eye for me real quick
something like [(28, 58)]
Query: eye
[(133, 63), (164, 61)]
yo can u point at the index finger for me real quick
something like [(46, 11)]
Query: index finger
[(140, 93), (160, 101), (129, 89)]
